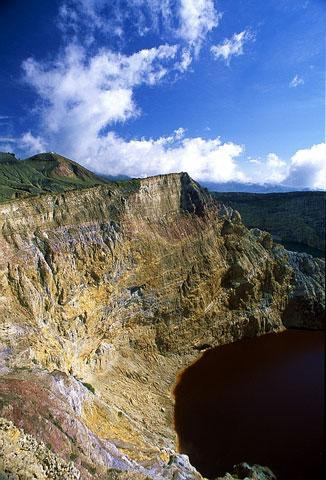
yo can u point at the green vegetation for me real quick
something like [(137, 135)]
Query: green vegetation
[(49, 172), (7, 158), (131, 185), (294, 218), (43, 173), (89, 386), (55, 422), (73, 456), (113, 474), (89, 467)]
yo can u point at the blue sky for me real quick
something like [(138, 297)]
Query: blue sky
[(226, 90)]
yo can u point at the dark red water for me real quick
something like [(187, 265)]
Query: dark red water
[(258, 400)]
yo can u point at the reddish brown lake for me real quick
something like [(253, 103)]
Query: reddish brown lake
[(258, 400)]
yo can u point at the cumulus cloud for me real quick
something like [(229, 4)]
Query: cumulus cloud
[(82, 98), (308, 168), (27, 143), (272, 169), (305, 169), (274, 161), (82, 94), (232, 46), (296, 81), (202, 159)]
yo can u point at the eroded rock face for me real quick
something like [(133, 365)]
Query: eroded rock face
[(106, 293), (305, 308)]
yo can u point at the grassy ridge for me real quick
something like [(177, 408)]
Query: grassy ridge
[(43, 173)]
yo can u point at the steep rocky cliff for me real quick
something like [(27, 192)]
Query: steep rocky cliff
[(107, 293), (295, 218)]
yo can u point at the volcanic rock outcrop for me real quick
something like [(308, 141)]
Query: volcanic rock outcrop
[(107, 293)]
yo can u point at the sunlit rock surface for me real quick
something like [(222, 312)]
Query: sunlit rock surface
[(107, 293)]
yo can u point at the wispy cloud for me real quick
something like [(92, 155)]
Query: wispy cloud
[(7, 139), (197, 19), (186, 59), (5, 120), (32, 144), (254, 161), (296, 81), (232, 46), (187, 20)]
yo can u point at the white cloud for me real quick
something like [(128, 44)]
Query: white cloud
[(197, 19), (32, 144), (80, 94), (232, 46), (185, 61), (296, 81), (272, 170), (308, 168), (179, 133), (81, 98), (202, 159), (188, 20), (27, 143), (274, 161), (7, 139)]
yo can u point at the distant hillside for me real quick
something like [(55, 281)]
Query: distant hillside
[(45, 172), (248, 187), (296, 219)]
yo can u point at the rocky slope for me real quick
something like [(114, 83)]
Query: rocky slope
[(293, 217), (107, 293)]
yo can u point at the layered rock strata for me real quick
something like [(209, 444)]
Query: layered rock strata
[(107, 293)]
